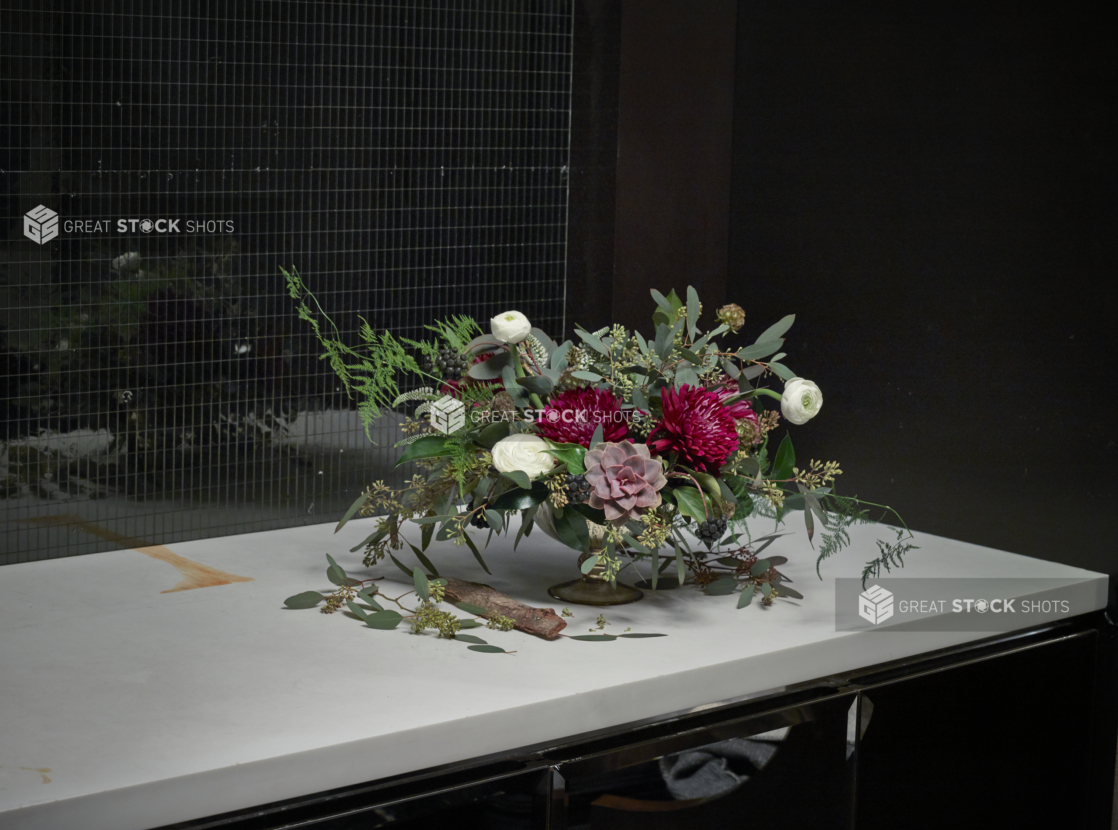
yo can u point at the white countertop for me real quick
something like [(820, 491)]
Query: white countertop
[(125, 705)]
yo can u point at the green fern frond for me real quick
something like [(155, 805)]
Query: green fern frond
[(457, 331), (424, 393), (370, 373), (892, 556)]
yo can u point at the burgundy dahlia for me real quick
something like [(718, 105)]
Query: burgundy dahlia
[(695, 426), (572, 416), (625, 480)]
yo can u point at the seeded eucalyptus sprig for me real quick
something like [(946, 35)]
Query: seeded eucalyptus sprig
[(426, 616)]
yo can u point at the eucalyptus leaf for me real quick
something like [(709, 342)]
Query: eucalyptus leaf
[(400, 565), (759, 567), (356, 609), (692, 312), (588, 565), (746, 596), (782, 371), (759, 350), (594, 377), (371, 539), (685, 376), (429, 446), (777, 329), (785, 591), (571, 528), (476, 553), (721, 587), (336, 575), (470, 624), (596, 439), (490, 434), (492, 368), (470, 638), (368, 600), (592, 341), (519, 478), (384, 620), (681, 568), (423, 560), (642, 344), (593, 638), (307, 599), (559, 356), (537, 383), (495, 520), (358, 503), (422, 588), (640, 401), (662, 301), (633, 635), (487, 649), (766, 589)]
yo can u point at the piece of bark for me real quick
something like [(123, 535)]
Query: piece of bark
[(542, 622)]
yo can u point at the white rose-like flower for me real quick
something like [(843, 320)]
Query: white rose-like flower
[(801, 401), (510, 327), (523, 451)]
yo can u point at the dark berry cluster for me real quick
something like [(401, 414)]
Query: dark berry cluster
[(711, 531), (450, 364), (577, 488), (479, 520)]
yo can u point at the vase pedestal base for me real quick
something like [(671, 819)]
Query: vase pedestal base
[(595, 592)]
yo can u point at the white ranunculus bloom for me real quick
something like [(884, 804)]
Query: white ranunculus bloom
[(801, 401), (523, 451), (510, 327)]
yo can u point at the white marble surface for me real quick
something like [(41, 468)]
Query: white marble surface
[(124, 706)]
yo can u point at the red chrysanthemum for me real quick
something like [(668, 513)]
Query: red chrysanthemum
[(572, 416), (696, 427)]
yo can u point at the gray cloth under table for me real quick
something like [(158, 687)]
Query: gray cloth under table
[(716, 768)]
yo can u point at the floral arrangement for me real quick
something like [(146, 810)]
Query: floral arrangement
[(644, 453)]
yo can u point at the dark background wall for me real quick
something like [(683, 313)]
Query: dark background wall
[(929, 187), (409, 158)]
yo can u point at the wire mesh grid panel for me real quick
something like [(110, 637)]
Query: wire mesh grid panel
[(159, 165)]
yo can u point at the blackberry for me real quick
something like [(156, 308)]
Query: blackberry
[(711, 530), (448, 363), (577, 488)]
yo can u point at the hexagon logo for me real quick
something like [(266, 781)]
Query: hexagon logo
[(40, 224)]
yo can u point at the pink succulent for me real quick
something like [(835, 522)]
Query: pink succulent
[(625, 480)]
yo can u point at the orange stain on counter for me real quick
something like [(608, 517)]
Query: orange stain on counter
[(41, 770), (194, 574)]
